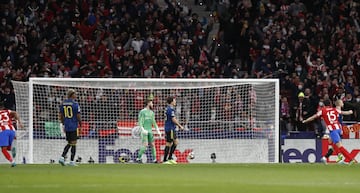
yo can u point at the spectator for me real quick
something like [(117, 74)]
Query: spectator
[(349, 100), (9, 98), (285, 124), (301, 112)]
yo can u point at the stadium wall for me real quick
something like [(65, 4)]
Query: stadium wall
[(109, 150), (311, 150)]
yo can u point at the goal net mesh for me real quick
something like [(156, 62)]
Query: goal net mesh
[(235, 120)]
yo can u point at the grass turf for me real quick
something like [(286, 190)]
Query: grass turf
[(181, 178)]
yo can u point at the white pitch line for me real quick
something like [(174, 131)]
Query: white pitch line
[(47, 186), (39, 186)]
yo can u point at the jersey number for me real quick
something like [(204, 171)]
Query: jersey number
[(331, 116), (68, 112), (4, 117)]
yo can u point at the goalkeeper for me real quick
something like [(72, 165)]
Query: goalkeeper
[(146, 120)]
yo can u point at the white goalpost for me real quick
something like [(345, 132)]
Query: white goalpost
[(237, 120)]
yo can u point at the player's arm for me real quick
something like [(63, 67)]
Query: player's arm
[(17, 118), (141, 119), (349, 112), (176, 122), (78, 116), (155, 125), (310, 118), (61, 114), (61, 117)]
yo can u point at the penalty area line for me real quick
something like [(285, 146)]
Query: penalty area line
[(40, 186)]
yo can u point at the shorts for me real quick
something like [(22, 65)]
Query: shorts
[(335, 136), (71, 135), (149, 138), (6, 138), (170, 136)]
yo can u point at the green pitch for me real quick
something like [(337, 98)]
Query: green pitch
[(181, 178)]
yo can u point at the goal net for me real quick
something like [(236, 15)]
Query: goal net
[(234, 119)]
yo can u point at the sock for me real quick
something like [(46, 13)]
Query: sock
[(166, 152), (7, 155), (141, 151), (66, 149), (73, 152), (172, 149), (346, 154), (336, 149), (330, 151), (153, 152)]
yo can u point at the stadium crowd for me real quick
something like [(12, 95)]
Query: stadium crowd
[(311, 46)]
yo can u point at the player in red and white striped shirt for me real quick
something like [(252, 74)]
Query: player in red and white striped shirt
[(330, 116), (7, 131)]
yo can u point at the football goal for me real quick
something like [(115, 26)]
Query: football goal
[(225, 120)]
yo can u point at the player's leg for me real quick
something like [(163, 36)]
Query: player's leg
[(73, 142), (329, 152), (5, 139), (342, 149), (337, 151), (166, 151), (152, 146), (144, 142), (153, 152), (11, 139), (13, 150), (169, 141), (334, 148), (6, 154), (327, 155), (335, 136), (73, 150), (66, 149), (63, 155), (173, 146), (12, 147)]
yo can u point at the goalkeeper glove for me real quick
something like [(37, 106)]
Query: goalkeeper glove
[(62, 128), (143, 131), (158, 132)]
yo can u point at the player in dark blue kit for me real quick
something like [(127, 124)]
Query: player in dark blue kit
[(70, 117), (170, 133)]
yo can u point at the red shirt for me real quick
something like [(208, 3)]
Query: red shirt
[(331, 117), (5, 120)]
